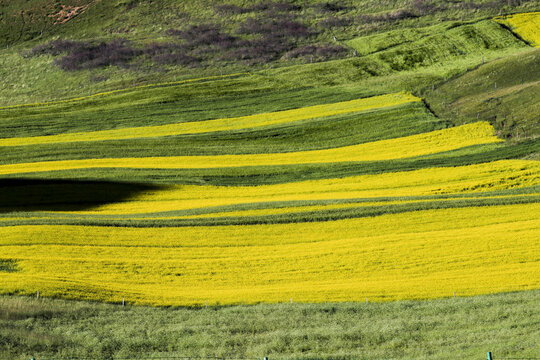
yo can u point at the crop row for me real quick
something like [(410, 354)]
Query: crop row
[(228, 124), (260, 175), (321, 133), (411, 146), (492, 176), (263, 216)]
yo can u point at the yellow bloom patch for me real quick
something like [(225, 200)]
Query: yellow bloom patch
[(526, 25), (416, 255)]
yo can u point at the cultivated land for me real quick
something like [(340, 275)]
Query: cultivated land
[(396, 162)]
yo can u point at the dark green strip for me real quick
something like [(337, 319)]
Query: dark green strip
[(66, 202), (330, 132), (313, 216)]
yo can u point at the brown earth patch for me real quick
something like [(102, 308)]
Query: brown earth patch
[(67, 13)]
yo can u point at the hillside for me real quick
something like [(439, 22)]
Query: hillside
[(114, 44), (505, 92), (205, 156)]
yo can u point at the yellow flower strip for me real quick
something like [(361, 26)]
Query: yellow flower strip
[(251, 212), (410, 146), (416, 255), (499, 175), (526, 25), (313, 208), (238, 123), (245, 235)]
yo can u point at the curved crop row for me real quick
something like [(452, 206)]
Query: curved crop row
[(140, 87), (410, 146), (499, 175), (345, 209), (405, 256), (238, 123)]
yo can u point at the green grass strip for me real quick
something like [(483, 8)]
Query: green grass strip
[(310, 216), (327, 132), (505, 324)]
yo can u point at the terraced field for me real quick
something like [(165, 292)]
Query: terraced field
[(343, 235)]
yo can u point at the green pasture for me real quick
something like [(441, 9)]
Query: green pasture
[(504, 324), (505, 92)]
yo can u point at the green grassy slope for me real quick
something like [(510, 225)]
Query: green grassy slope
[(411, 66), (505, 92), (504, 324), (246, 95), (29, 78), (41, 19)]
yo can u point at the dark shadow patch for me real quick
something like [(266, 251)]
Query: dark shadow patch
[(8, 265), (515, 34), (64, 195)]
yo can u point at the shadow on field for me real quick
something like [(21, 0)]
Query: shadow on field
[(64, 195)]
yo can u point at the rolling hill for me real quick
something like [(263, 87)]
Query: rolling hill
[(209, 156)]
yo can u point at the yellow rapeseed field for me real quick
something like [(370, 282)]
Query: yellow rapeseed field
[(149, 258), (238, 123), (499, 175), (409, 146), (415, 255), (526, 25)]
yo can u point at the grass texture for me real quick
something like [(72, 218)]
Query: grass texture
[(230, 124), (504, 324)]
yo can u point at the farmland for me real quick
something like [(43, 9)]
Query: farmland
[(169, 237), (525, 25), (393, 166)]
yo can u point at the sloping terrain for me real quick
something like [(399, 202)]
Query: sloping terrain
[(264, 222), (202, 154), (505, 92)]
